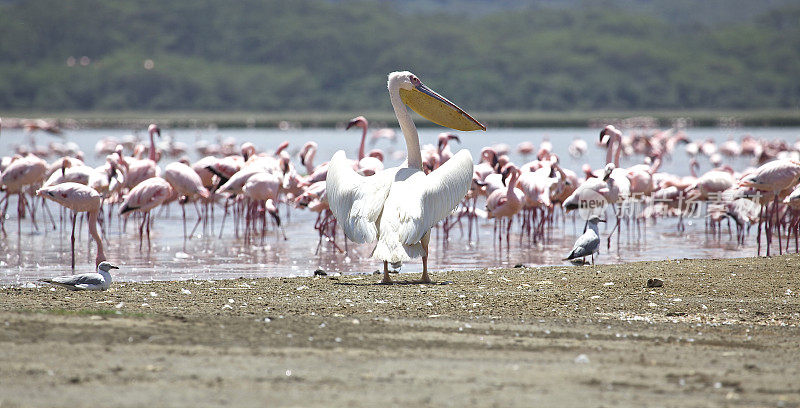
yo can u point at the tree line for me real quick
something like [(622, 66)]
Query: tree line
[(276, 55)]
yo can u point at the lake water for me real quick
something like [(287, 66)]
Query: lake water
[(45, 252)]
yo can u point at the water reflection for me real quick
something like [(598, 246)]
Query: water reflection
[(206, 255)]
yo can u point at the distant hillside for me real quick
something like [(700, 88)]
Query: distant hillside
[(682, 12), (322, 55)]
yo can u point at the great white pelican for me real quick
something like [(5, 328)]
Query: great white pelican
[(398, 206)]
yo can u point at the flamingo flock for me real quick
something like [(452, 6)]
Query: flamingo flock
[(363, 201)]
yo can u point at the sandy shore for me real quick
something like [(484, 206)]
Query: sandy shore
[(718, 333)]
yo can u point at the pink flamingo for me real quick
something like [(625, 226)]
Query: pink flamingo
[(525, 148), (365, 165), (144, 197), (139, 170), (487, 165), (792, 201), (19, 174), (384, 133), (314, 199), (78, 198), (506, 203), (444, 151), (361, 122), (187, 183), (773, 177), (537, 188), (263, 188), (371, 164), (307, 154), (578, 148)]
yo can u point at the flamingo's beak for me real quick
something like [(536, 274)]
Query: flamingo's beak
[(438, 109)]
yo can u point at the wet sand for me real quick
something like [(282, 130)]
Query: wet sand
[(718, 333)]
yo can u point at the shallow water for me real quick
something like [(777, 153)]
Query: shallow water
[(41, 251)]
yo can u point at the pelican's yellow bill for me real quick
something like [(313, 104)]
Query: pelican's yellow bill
[(439, 110)]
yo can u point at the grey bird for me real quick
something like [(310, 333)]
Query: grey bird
[(100, 280), (587, 244)]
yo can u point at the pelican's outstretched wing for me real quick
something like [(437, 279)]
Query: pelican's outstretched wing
[(424, 200), (356, 201)]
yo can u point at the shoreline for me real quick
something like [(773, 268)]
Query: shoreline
[(718, 333), (506, 119)]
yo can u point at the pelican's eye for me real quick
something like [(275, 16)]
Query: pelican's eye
[(415, 80)]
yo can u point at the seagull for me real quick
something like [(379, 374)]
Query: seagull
[(587, 244), (100, 280)]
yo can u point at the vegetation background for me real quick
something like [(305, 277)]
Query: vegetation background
[(325, 55)]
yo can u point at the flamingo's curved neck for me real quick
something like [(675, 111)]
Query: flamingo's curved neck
[(152, 147), (612, 155), (511, 184), (101, 256), (655, 166), (309, 159), (408, 128), (363, 139)]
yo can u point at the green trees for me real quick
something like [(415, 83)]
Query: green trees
[(324, 55)]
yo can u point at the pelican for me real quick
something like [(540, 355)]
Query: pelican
[(398, 206)]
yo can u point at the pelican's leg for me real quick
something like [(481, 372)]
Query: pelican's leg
[(386, 279), (425, 241)]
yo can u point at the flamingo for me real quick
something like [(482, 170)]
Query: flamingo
[(398, 206), (505, 203), (619, 185), (187, 183), (360, 121), (264, 188), (578, 148), (25, 171), (444, 151), (313, 174), (366, 165), (525, 148), (78, 198), (773, 177), (144, 197), (139, 170)]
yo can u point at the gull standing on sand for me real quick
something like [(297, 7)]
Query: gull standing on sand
[(587, 244), (100, 280)]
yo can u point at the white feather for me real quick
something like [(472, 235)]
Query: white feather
[(355, 200), (417, 202)]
